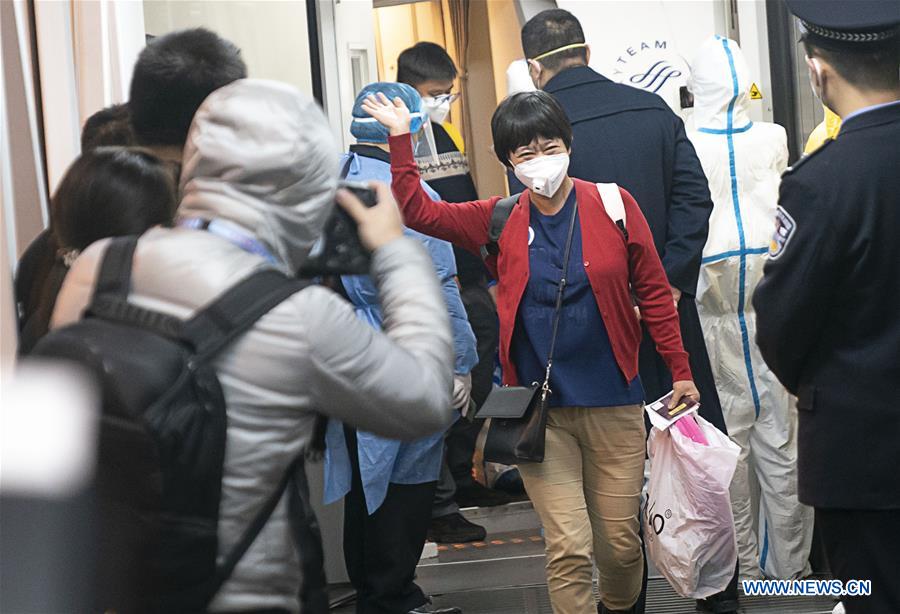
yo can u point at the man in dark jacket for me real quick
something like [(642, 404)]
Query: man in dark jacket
[(631, 137)]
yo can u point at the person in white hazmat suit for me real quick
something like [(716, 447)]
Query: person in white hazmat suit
[(517, 78), (743, 161)]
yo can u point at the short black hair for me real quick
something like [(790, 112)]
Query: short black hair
[(523, 117), (553, 29), (871, 66), (108, 127), (425, 62), (111, 192), (172, 77)]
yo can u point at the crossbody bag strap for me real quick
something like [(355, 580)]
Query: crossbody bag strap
[(559, 300)]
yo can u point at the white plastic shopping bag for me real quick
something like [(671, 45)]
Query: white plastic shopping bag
[(688, 523)]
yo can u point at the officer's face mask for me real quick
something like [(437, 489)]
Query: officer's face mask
[(543, 174), (815, 77)]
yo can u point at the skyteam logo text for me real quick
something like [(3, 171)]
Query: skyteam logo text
[(646, 66), (655, 77), (653, 66)]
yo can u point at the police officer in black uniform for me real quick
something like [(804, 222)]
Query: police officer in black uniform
[(828, 308)]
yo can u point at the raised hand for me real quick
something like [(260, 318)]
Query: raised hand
[(392, 115)]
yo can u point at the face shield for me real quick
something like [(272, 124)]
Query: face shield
[(424, 147)]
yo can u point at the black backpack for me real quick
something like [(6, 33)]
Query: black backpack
[(162, 443)]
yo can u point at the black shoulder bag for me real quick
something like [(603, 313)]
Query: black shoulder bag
[(519, 413)]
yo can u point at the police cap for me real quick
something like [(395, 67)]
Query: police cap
[(832, 23)]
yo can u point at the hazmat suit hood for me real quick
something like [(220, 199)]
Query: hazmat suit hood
[(260, 155), (720, 82), (517, 78)]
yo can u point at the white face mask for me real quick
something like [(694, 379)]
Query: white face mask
[(544, 174), (534, 71), (437, 108), (815, 69)]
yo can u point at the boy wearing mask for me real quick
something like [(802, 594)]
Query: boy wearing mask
[(429, 69)]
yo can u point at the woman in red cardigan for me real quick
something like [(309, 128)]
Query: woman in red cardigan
[(587, 490)]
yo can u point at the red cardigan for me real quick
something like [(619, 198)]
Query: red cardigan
[(614, 268)]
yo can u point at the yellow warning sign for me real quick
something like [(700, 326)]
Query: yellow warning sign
[(755, 94)]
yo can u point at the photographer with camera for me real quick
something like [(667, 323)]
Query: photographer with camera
[(258, 184)]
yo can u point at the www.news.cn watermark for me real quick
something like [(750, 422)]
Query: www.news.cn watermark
[(807, 588)]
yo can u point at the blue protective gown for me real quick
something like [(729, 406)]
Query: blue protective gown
[(384, 461)]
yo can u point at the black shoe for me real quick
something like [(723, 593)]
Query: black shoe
[(428, 608), (454, 529), (478, 495)]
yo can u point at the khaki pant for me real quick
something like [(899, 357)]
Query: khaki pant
[(587, 495)]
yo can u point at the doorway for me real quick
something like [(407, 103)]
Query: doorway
[(482, 38)]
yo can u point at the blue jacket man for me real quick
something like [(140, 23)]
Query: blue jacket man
[(389, 485), (389, 461)]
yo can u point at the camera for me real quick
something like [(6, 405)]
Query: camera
[(339, 250)]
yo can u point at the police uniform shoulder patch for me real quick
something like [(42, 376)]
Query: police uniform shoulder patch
[(806, 158), (785, 226)]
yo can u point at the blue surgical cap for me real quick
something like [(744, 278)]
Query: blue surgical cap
[(366, 129)]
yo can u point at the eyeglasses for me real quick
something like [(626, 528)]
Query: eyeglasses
[(448, 98)]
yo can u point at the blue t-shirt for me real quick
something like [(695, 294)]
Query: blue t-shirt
[(585, 372)]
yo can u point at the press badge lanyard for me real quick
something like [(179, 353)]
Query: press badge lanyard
[(230, 233)]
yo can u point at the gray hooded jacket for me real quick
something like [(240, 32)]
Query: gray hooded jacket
[(261, 156)]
